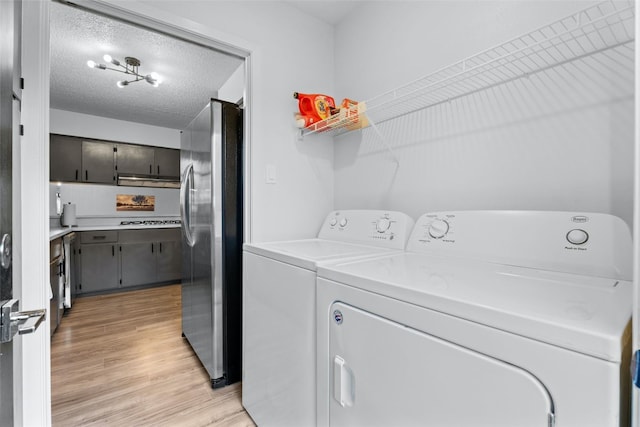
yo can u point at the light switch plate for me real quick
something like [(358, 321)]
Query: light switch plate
[(271, 175)]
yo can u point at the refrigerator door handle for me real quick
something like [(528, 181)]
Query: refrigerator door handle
[(185, 204)]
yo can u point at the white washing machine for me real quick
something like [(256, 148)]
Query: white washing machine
[(279, 320), (488, 319)]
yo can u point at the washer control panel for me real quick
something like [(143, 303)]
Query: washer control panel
[(380, 228), (440, 227), (594, 243)]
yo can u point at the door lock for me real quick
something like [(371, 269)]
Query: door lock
[(14, 322)]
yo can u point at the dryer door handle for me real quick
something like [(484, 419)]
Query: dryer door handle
[(343, 383)]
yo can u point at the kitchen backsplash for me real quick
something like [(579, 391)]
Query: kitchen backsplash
[(100, 200)]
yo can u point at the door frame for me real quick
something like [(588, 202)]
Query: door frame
[(635, 392), (33, 369)]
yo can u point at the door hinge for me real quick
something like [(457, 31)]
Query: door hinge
[(21, 130), (121, 281), (21, 82)]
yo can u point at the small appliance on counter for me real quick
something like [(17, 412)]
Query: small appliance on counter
[(68, 218)]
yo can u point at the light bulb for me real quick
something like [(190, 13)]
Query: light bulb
[(91, 64), (155, 76), (122, 83), (149, 78), (108, 58)]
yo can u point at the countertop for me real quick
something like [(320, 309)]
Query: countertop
[(54, 233)]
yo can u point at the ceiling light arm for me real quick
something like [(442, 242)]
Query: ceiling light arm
[(130, 67)]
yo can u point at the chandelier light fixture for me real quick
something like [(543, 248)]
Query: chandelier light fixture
[(130, 67)]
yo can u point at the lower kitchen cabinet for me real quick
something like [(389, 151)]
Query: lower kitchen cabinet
[(169, 258), (132, 258), (137, 264), (99, 267)]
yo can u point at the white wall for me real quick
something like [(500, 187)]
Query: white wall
[(560, 140), (289, 52), (233, 89), (88, 126)]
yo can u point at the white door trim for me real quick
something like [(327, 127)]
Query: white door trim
[(34, 390), (635, 392)]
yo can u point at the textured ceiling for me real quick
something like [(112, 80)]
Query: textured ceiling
[(191, 74)]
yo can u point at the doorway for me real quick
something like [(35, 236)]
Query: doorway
[(71, 96)]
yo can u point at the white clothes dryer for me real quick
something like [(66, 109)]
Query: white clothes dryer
[(488, 319), (279, 300)]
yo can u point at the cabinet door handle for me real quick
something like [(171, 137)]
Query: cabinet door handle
[(113, 251), (158, 169), (76, 174), (86, 175), (152, 248), (161, 247), (150, 169)]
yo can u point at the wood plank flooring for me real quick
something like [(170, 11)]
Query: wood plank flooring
[(120, 360)]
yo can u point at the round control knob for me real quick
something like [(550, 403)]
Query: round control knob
[(383, 225), (577, 236), (438, 228), (333, 221), (343, 222)]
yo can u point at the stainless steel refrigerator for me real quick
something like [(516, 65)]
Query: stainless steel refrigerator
[(211, 211)]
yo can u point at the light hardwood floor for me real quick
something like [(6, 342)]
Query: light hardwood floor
[(120, 360)]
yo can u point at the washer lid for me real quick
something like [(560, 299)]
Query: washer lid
[(586, 314), (309, 253)]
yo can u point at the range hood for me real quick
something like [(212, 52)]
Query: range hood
[(149, 181)]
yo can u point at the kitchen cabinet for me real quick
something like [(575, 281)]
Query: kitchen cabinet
[(111, 260), (98, 162), (74, 159), (138, 264), (135, 159), (169, 258), (150, 256), (99, 261), (65, 159), (167, 161)]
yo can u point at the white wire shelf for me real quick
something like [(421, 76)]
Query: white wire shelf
[(597, 29)]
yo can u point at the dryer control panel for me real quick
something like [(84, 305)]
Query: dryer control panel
[(389, 229), (580, 243)]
